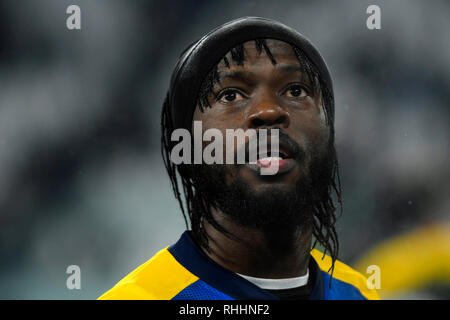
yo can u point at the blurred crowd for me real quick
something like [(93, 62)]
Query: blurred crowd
[(81, 177)]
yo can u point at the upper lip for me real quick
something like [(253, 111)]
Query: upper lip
[(285, 151), (269, 153)]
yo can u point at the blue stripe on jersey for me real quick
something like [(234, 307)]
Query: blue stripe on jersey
[(200, 290), (217, 282), (190, 256)]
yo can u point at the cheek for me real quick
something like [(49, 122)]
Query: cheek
[(212, 118), (310, 130), (320, 114), (319, 135), (216, 118), (198, 116)]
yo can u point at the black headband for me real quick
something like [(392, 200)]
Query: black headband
[(199, 59)]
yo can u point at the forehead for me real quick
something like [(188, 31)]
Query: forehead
[(281, 51)]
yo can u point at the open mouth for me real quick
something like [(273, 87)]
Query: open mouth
[(283, 161), (265, 159)]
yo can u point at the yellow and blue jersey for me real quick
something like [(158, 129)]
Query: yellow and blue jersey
[(184, 272)]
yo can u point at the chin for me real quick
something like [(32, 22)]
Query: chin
[(271, 190)]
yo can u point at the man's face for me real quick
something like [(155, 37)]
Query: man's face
[(263, 95)]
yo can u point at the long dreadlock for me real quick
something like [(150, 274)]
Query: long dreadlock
[(195, 207)]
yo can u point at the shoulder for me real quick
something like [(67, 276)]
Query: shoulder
[(160, 278), (349, 281)]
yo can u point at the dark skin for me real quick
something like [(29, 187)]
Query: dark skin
[(259, 95)]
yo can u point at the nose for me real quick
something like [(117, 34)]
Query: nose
[(267, 114)]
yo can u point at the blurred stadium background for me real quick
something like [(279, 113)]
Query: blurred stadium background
[(81, 177)]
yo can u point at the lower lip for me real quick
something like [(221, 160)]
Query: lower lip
[(284, 165)]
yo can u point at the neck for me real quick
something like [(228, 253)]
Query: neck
[(257, 253)]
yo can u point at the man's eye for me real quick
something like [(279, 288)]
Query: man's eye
[(228, 96), (296, 91)]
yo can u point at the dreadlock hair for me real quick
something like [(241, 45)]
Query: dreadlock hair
[(196, 207)]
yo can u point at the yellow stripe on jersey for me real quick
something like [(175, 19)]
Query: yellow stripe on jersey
[(346, 274), (160, 278)]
